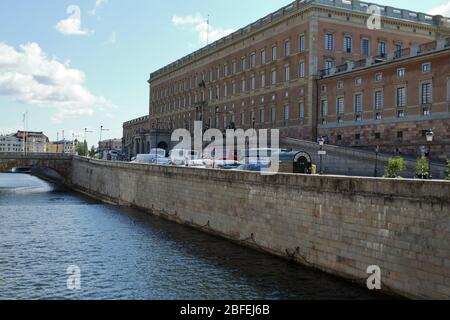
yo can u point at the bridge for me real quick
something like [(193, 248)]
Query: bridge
[(52, 166)]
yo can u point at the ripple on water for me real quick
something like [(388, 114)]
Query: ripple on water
[(125, 254)]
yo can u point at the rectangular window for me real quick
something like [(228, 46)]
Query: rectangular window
[(234, 67), (274, 53), (243, 64), (382, 48), (261, 116), (329, 41), (378, 99), (301, 110), (263, 56), (225, 70), (234, 88), (324, 108), (401, 72), (243, 86), (426, 67), (225, 90), (274, 77), (287, 48), (427, 93), (398, 50), (273, 115), (328, 64), (301, 70), (358, 103), (340, 84), (287, 73), (340, 105), (286, 115), (348, 44), (301, 42), (253, 60), (379, 76), (365, 47), (401, 97), (242, 119), (263, 80), (252, 83)]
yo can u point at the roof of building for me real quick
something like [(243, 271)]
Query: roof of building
[(296, 6), (137, 120)]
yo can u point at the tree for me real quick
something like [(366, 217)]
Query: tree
[(394, 167), (422, 171), (82, 149), (92, 152)]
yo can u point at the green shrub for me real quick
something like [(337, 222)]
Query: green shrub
[(394, 167), (422, 168)]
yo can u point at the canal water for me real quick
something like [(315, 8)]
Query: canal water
[(125, 254)]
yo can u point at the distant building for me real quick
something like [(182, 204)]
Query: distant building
[(135, 136), (35, 142), (68, 147), (10, 143), (111, 145)]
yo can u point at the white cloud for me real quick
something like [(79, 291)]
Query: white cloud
[(98, 5), (199, 24), (112, 39), (28, 76), (443, 10), (72, 25)]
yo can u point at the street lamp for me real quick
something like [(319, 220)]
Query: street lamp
[(321, 143), (377, 151), (430, 136)]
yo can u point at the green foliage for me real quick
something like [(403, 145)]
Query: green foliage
[(422, 168), (395, 166), (92, 152), (82, 149)]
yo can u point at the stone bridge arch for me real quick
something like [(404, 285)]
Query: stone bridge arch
[(55, 167)]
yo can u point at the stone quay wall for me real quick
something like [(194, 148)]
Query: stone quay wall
[(340, 225)]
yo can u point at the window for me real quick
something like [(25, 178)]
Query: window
[(399, 134), (324, 108), (217, 73), (401, 113), (379, 76), (426, 111), (286, 115), (426, 67), (274, 76), (301, 110), (358, 103), (348, 44), (274, 53), (253, 60), (426, 93), (263, 56), (378, 99), (287, 48), (358, 81), (263, 80), (329, 41), (340, 105), (225, 70), (398, 50), (233, 87), (261, 116), (401, 72), (323, 88), (301, 42), (243, 64), (273, 115), (365, 47), (225, 90), (328, 64), (252, 83), (378, 116), (287, 73), (301, 70), (242, 119), (382, 48), (401, 97), (243, 86), (340, 84), (357, 136)]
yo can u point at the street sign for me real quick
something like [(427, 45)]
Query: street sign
[(322, 153)]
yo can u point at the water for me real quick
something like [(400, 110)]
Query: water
[(125, 254)]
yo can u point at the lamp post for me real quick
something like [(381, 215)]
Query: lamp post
[(321, 143), (377, 151), (430, 136)]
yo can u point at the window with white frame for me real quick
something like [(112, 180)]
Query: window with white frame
[(243, 65), (261, 116), (273, 114), (262, 57), (286, 115), (243, 85), (233, 88), (382, 48), (340, 105), (378, 99), (324, 107), (234, 67), (301, 43), (252, 83), (329, 64), (225, 70), (274, 53), (301, 69), (329, 41), (263, 80), (378, 76), (301, 110), (253, 60), (225, 90), (274, 76), (287, 48), (427, 93), (348, 44), (426, 67), (340, 84), (401, 97), (401, 72), (287, 73), (358, 103), (358, 81)]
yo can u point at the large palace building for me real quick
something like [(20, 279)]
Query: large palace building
[(315, 68)]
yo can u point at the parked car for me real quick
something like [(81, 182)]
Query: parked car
[(143, 158)]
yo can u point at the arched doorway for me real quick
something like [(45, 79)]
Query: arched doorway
[(303, 163), (163, 145)]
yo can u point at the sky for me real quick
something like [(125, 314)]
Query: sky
[(76, 64)]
